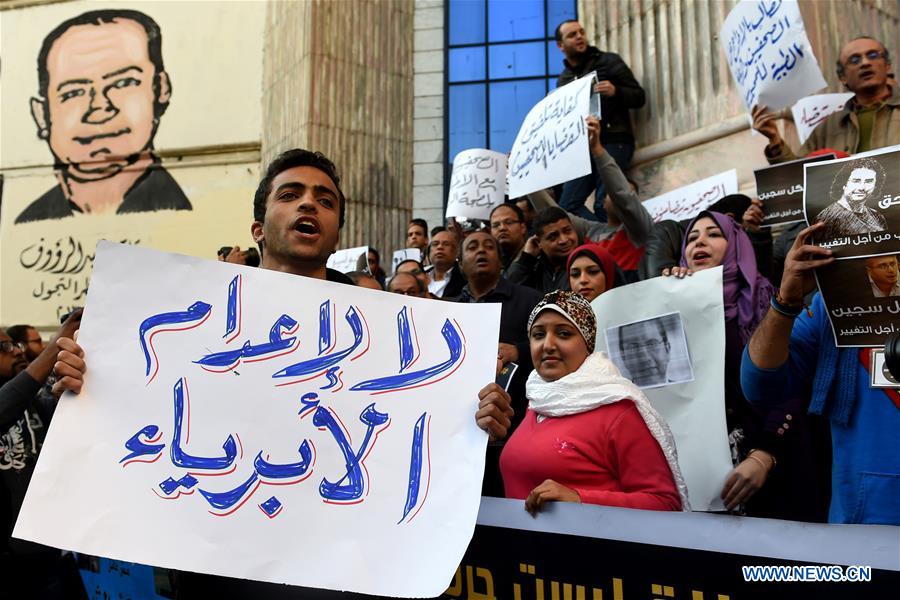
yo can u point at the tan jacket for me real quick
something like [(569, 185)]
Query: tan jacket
[(840, 131)]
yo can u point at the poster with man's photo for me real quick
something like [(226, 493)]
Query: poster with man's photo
[(651, 352), (858, 199), (862, 297), (780, 187)]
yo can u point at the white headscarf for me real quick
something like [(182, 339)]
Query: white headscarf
[(595, 383)]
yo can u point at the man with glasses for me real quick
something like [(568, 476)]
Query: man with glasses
[(869, 120), (508, 228), (883, 276), (30, 339), (447, 280)]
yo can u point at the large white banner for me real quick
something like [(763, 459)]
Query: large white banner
[(769, 54), (689, 201), (477, 185), (261, 425), (810, 111), (552, 144), (690, 390)]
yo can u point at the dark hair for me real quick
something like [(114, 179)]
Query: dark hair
[(419, 285), (19, 333), (420, 222), (438, 229), (887, 55), (659, 325), (103, 17), (374, 251), (290, 159), (734, 204), (840, 179), (412, 260), (512, 206), (356, 276), (558, 33), (548, 216)]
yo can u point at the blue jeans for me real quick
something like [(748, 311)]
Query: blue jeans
[(575, 192)]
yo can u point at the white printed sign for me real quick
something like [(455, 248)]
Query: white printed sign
[(769, 54), (405, 254), (552, 144), (261, 425), (477, 185), (693, 408), (689, 201), (348, 259), (812, 110)]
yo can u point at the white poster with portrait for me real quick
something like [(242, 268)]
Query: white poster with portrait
[(671, 333)]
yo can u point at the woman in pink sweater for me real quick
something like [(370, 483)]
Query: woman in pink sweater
[(589, 435)]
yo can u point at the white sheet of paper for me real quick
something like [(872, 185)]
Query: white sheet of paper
[(369, 532), (405, 254), (689, 201), (477, 185), (347, 259), (812, 110), (769, 54), (552, 144), (695, 410)]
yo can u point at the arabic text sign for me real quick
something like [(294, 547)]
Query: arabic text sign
[(405, 254), (862, 299), (689, 201), (780, 187), (695, 409), (477, 185), (810, 111), (552, 144), (858, 200), (312, 433), (348, 259), (769, 54)]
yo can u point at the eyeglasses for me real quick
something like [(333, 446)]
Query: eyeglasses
[(507, 222), (648, 345), (10, 347), (855, 59)]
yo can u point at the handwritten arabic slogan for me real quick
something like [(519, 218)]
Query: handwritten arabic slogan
[(348, 260), (810, 111), (260, 425), (780, 187), (689, 201), (862, 297), (858, 199), (695, 410), (477, 185), (552, 144), (769, 54)]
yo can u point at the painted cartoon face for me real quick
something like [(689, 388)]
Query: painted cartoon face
[(706, 245), (557, 347), (587, 278), (860, 185), (645, 352), (301, 223), (101, 98)]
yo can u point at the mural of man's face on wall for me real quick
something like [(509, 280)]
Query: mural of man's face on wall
[(102, 91)]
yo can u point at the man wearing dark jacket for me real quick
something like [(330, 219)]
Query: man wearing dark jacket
[(619, 91)]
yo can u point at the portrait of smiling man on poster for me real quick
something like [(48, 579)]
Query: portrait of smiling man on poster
[(853, 186), (102, 89)]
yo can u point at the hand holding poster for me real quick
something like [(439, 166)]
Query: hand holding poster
[(477, 185), (689, 201), (780, 187), (347, 260), (266, 426), (552, 144), (769, 54), (668, 334), (810, 111)]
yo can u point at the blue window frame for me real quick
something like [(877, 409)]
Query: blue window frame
[(501, 59)]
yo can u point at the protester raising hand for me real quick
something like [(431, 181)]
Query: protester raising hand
[(801, 260), (765, 123), (594, 143), (69, 367), (753, 216)]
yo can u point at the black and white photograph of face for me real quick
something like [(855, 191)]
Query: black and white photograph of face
[(652, 352)]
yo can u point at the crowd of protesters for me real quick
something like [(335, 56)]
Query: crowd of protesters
[(810, 439)]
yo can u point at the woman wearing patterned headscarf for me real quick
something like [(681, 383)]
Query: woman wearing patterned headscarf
[(715, 239), (589, 435)]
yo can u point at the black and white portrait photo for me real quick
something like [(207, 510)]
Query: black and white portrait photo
[(652, 352)]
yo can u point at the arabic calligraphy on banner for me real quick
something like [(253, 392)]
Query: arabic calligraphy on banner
[(689, 201), (769, 54), (810, 111), (477, 185), (552, 144), (858, 200), (780, 187), (245, 410)]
